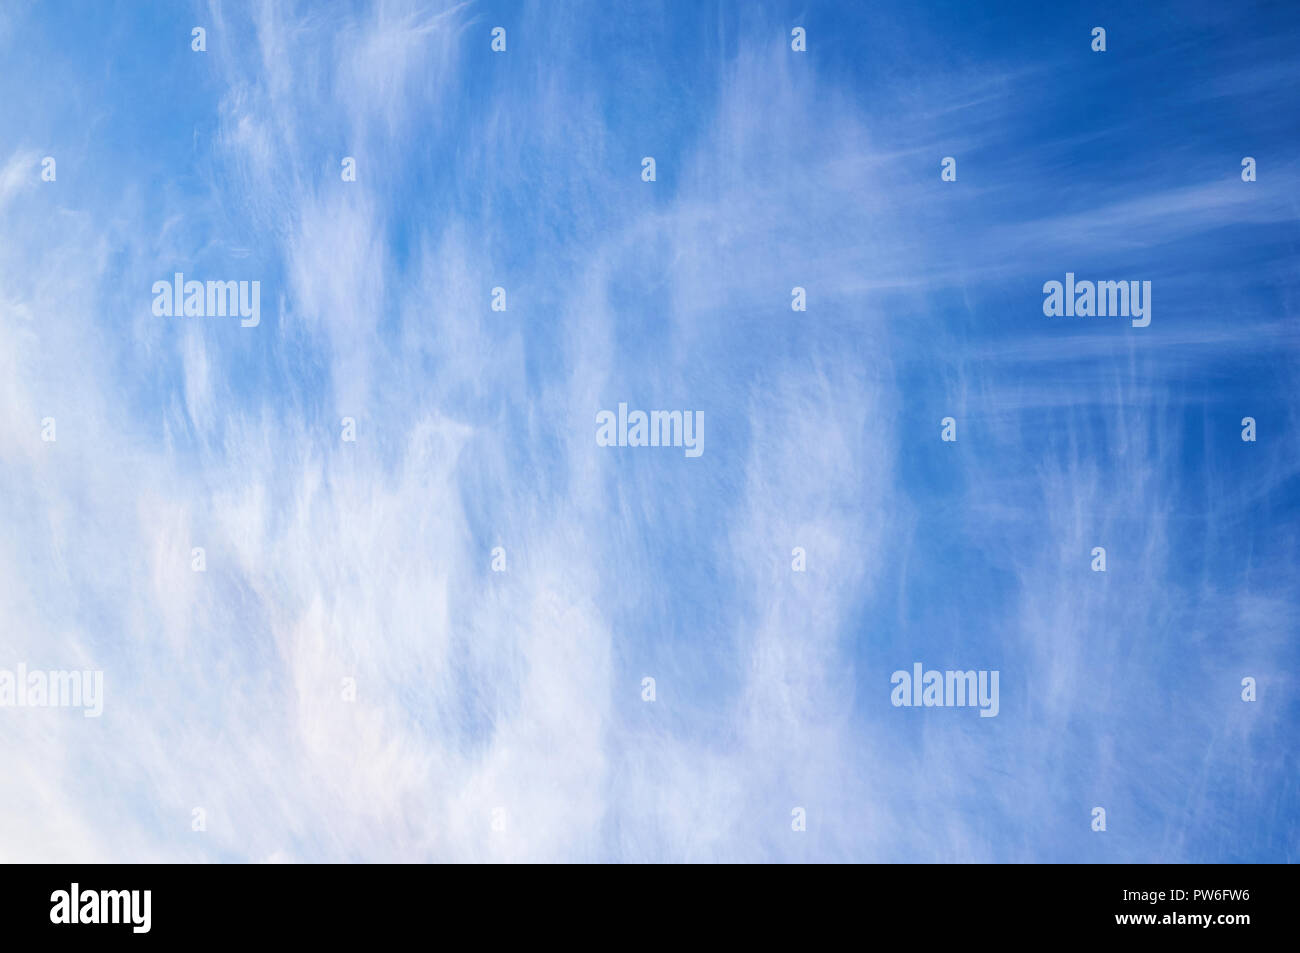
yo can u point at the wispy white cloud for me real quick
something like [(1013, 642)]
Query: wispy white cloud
[(520, 691)]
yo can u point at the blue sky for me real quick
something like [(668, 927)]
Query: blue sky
[(519, 692)]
